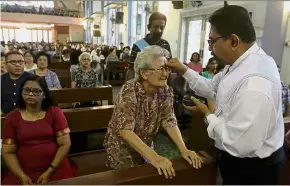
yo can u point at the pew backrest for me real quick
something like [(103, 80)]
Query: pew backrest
[(88, 118), (72, 95), (117, 65), (64, 65), (147, 174)]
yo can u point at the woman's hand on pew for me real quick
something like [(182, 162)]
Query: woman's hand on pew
[(44, 177), (25, 180), (163, 165), (192, 158)]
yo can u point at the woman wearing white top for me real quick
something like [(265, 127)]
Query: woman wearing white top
[(97, 57), (29, 61)]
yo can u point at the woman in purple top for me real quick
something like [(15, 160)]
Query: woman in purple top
[(42, 60)]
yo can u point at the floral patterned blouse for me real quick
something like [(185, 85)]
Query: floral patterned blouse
[(133, 112), (85, 79)]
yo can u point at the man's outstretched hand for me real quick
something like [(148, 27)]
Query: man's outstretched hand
[(176, 65)]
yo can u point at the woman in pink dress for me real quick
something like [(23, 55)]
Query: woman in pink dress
[(36, 138), (195, 63)]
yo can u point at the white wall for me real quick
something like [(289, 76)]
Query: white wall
[(171, 32)]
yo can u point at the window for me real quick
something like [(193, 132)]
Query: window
[(193, 38), (49, 36), (196, 31), (34, 35), (6, 34), (23, 35), (45, 36), (11, 34), (39, 35)]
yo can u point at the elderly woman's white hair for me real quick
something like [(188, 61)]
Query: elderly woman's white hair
[(85, 54), (145, 58)]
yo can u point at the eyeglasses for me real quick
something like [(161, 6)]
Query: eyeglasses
[(86, 59), (14, 62), (161, 69), (212, 41), (34, 91)]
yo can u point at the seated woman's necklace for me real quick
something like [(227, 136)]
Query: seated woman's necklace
[(31, 114)]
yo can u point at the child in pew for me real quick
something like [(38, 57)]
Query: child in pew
[(36, 138), (142, 106)]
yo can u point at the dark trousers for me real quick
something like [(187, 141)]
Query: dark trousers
[(251, 171)]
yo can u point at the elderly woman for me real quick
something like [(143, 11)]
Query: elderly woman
[(85, 77), (43, 60), (142, 106)]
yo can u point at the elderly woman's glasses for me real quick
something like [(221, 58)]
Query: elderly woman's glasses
[(162, 69), (34, 91), (88, 59)]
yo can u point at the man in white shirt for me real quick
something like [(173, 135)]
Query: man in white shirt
[(247, 125)]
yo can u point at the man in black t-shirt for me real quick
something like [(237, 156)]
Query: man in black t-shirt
[(156, 26), (12, 80)]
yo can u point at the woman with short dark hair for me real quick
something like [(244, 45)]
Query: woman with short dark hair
[(36, 138), (43, 60)]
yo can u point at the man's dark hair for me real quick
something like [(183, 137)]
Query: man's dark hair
[(2, 54), (156, 16), (127, 48), (74, 56), (233, 19), (42, 53), (47, 102), (209, 62), (12, 53)]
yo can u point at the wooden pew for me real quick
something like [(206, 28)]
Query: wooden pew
[(118, 70), (64, 65), (63, 72), (89, 118), (86, 121), (72, 95), (199, 139), (148, 175)]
